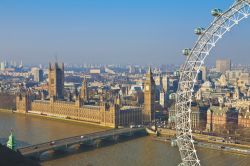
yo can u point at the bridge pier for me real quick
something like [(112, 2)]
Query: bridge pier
[(97, 143), (46, 154), (71, 148), (116, 138)]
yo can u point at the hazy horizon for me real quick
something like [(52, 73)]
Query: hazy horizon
[(111, 32)]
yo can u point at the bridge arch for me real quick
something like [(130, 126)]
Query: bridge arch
[(196, 57)]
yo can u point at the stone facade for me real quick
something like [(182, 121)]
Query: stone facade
[(110, 115), (198, 117), (22, 103), (104, 115), (222, 119), (244, 121), (244, 118), (129, 115)]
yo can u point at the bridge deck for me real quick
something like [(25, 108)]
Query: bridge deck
[(46, 146)]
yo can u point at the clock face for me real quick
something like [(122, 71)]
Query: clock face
[(147, 87)]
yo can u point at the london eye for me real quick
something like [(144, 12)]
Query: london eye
[(195, 59)]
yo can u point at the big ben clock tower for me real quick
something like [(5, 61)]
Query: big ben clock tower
[(149, 98)]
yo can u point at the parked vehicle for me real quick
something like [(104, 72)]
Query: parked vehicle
[(132, 126)]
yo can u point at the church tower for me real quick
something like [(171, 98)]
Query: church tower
[(56, 81), (84, 91), (236, 94), (149, 98)]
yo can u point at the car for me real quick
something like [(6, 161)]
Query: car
[(132, 126), (52, 143), (140, 126), (35, 147), (237, 142), (223, 147), (82, 137)]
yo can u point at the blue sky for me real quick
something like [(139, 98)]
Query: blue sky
[(111, 31)]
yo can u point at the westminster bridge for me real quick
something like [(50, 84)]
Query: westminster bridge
[(92, 139)]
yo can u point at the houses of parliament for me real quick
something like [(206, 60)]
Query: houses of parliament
[(106, 113)]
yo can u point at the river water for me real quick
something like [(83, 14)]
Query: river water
[(138, 152)]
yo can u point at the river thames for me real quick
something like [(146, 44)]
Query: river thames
[(138, 152)]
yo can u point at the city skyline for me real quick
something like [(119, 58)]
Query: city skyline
[(110, 32), (101, 73)]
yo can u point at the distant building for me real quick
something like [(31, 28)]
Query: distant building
[(37, 74), (221, 119), (202, 75), (243, 107), (149, 98), (158, 81), (129, 115), (132, 69), (163, 99), (207, 87), (165, 83), (244, 118), (56, 81), (158, 86), (198, 117), (173, 83), (109, 71), (84, 91), (236, 94), (244, 79), (233, 75), (223, 82), (223, 65), (3, 66), (95, 71)]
